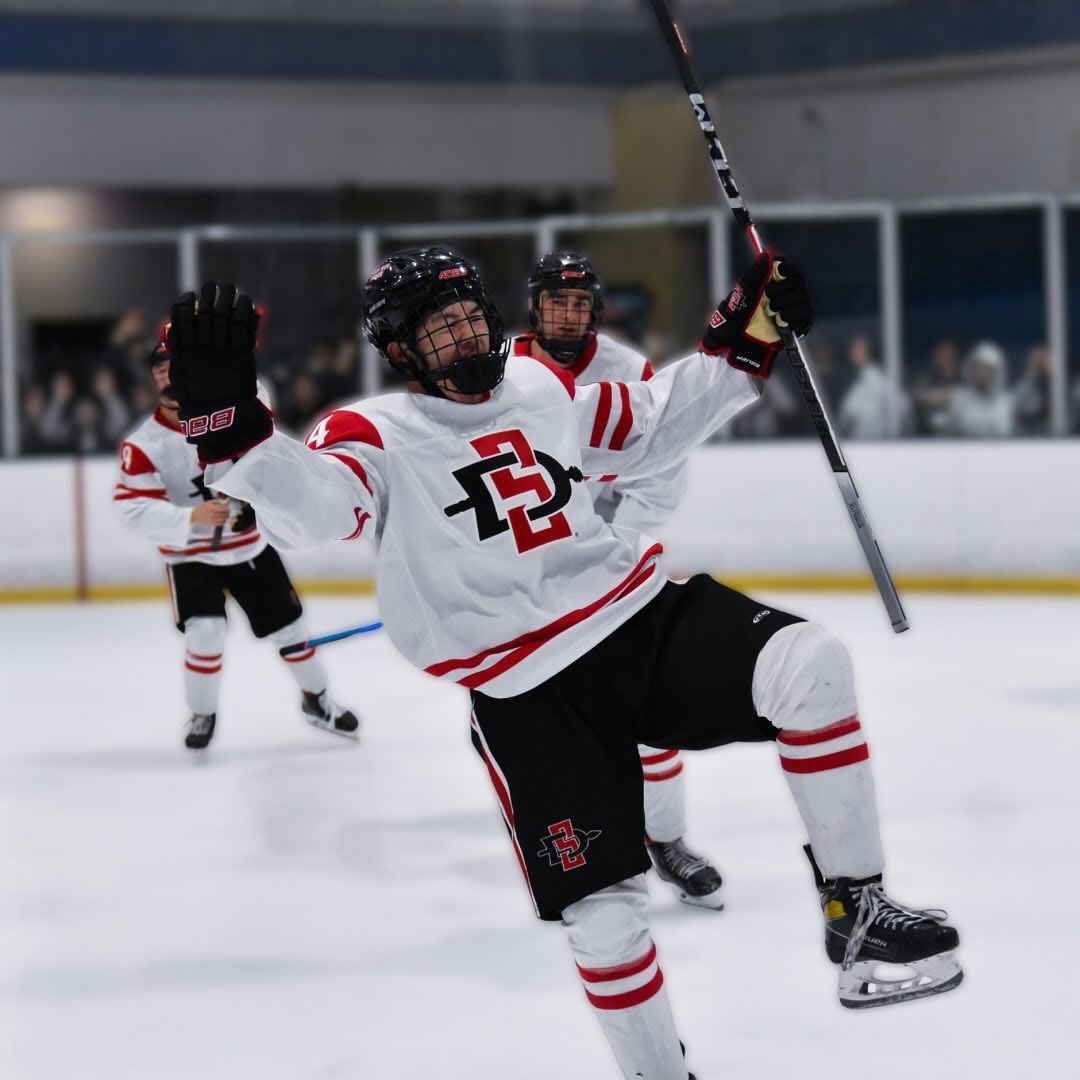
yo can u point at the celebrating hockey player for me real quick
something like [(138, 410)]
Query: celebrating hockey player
[(566, 308), (211, 545), (496, 572)]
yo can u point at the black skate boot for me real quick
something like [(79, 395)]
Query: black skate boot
[(199, 730), (695, 880), (865, 929), (322, 712)]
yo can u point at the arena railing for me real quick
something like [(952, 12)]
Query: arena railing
[(371, 240)]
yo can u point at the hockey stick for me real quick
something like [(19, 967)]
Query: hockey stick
[(290, 649), (792, 347)]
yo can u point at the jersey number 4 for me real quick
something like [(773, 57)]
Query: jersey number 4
[(508, 469)]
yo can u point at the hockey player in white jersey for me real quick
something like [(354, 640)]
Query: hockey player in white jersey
[(211, 545), (566, 310), (495, 571)]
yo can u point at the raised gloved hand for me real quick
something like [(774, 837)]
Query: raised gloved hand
[(211, 342), (771, 294)]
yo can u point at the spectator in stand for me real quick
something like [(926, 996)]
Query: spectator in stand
[(872, 408), (933, 388), (115, 412), (55, 429), (342, 381), (982, 408), (33, 407), (301, 404), (88, 427), (1031, 395)]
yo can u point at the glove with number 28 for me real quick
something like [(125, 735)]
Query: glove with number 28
[(211, 340), (771, 294)]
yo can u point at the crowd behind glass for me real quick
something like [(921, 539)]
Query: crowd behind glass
[(962, 389)]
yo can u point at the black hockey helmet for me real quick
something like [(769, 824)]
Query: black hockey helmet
[(565, 270), (410, 286), (156, 351)]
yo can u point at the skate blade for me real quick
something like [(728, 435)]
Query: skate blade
[(866, 985), (713, 901), (322, 726)]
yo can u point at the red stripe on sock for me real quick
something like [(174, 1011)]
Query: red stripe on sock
[(833, 731), (202, 670), (667, 775), (196, 656), (630, 998), (619, 971), (655, 759), (826, 761)]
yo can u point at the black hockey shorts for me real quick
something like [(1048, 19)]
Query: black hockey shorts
[(563, 757), (261, 587)]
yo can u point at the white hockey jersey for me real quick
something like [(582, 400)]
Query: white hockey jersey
[(494, 570), (649, 501), (161, 482)]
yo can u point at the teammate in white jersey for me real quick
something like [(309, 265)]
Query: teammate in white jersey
[(495, 571), (566, 309), (211, 545)]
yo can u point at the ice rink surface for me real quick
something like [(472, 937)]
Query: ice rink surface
[(297, 907)]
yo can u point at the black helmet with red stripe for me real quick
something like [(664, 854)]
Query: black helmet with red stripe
[(555, 272), (402, 296)]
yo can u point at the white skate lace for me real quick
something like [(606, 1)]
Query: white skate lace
[(200, 725), (681, 861), (876, 907)]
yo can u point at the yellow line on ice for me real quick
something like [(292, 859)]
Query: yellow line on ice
[(921, 583)]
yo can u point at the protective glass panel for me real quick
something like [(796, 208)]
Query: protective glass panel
[(309, 294), (1072, 310), (86, 314), (974, 322), (841, 262)]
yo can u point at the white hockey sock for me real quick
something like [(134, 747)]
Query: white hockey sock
[(665, 795), (804, 684), (306, 667), (609, 937), (204, 647)]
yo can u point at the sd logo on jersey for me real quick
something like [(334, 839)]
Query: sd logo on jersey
[(515, 469), (565, 846)]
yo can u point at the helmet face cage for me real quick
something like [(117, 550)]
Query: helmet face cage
[(557, 271), (431, 303)]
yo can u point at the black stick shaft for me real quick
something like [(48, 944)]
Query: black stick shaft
[(741, 213)]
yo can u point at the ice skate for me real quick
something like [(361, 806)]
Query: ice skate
[(692, 876), (886, 952), (322, 712), (199, 730)]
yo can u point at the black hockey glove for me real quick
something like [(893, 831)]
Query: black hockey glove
[(211, 341), (244, 519), (771, 293)]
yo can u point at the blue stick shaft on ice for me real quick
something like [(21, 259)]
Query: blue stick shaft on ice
[(367, 628)]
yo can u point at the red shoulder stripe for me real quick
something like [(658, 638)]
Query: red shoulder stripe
[(134, 461), (648, 372), (626, 418), (344, 425), (603, 411)]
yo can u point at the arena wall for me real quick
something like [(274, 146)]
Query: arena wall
[(948, 515)]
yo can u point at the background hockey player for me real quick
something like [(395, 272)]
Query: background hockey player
[(566, 309), (210, 546), (496, 572)]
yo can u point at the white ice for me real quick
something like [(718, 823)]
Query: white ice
[(297, 906)]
